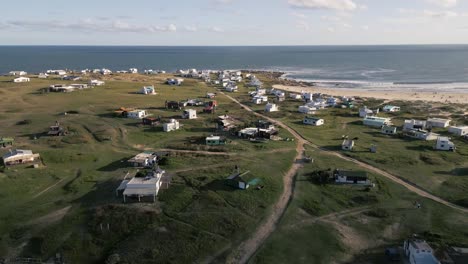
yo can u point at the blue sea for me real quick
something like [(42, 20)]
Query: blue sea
[(373, 67)]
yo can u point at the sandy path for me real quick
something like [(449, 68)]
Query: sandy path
[(248, 248), (390, 95)]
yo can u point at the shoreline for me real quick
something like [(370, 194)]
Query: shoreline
[(388, 94)]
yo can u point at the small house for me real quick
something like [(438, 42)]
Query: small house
[(351, 177), (458, 131), (305, 109), (231, 88), (389, 130), (148, 90), (189, 114), (332, 102), (19, 156), (295, 96), (239, 180), (271, 108), (444, 143), (17, 73), (210, 95), (133, 70), (43, 75), (419, 252), (171, 126), (215, 141), (414, 124), (438, 122), (96, 83), (420, 134), (21, 79), (308, 97), (174, 105), (147, 186), (391, 108), (348, 144), (364, 111), (225, 123), (175, 81), (145, 159), (313, 121), (375, 121), (56, 130), (210, 107), (150, 121), (137, 114)]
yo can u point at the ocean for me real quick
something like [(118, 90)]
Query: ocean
[(371, 67)]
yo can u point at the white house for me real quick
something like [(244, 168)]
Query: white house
[(148, 90), (140, 187), (391, 108), (313, 121), (231, 88), (133, 70), (444, 143), (295, 96), (347, 144), (175, 81), (189, 114), (171, 126), (19, 156), (137, 114), (414, 124), (364, 111), (375, 121), (421, 134), (43, 75), (308, 97), (96, 82), (260, 91), (305, 109), (351, 177), (458, 131), (258, 99), (389, 130), (271, 108), (438, 122), (144, 159), (419, 252), (17, 73), (21, 79)]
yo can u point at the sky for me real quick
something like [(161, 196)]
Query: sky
[(233, 22)]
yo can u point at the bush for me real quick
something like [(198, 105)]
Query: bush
[(24, 122), (378, 213)]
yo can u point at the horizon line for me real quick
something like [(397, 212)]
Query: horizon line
[(273, 45)]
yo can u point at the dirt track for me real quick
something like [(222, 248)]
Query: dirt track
[(247, 249)]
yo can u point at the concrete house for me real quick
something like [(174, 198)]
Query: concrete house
[(414, 124), (391, 108), (96, 83), (145, 159), (295, 96), (419, 252), (189, 114), (148, 90), (389, 130), (17, 73), (142, 187), (351, 177), (444, 143), (137, 114), (375, 121), (21, 79), (348, 144), (133, 70), (43, 75), (5, 142), (175, 81), (313, 121), (19, 156), (171, 126), (305, 109), (215, 141), (458, 131), (364, 111), (420, 134), (438, 122), (56, 130), (240, 180), (271, 108), (259, 99)]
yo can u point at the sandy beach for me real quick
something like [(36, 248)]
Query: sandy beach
[(442, 96)]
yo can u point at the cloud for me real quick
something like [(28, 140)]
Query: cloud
[(439, 14), (301, 24), (191, 28), (299, 15), (87, 25), (216, 29), (365, 27), (339, 5), (444, 3), (331, 29)]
